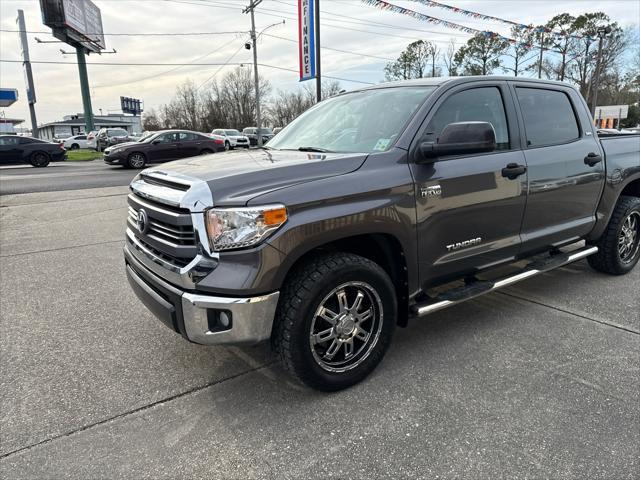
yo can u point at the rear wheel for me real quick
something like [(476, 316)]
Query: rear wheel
[(227, 145), (39, 159), (75, 146), (619, 246), (335, 320), (206, 151), (136, 160)]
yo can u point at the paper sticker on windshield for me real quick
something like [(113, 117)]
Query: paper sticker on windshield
[(382, 144)]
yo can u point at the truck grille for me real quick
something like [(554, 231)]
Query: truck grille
[(169, 233)]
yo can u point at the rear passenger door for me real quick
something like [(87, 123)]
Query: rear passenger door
[(565, 165), (468, 213)]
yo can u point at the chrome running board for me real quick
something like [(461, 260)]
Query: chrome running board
[(480, 287)]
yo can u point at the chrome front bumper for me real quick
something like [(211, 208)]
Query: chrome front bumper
[(190, 314)]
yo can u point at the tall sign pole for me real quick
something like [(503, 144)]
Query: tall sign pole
[(541, 53), (602, 32), (28, 74), (256, 79), (84, 89), (316, 4)]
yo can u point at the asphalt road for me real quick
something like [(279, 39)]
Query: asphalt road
[(62, 176), (538, 381)]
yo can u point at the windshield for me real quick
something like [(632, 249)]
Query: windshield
[(365, 121), (146, 136), (232, 132), (266, 131)]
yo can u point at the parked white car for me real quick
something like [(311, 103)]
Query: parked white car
[(75, 142), (92, 140), (232, 138)]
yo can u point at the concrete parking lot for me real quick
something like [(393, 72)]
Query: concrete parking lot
[(539, 381)]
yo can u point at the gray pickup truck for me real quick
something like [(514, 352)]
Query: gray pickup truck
[(378, 206)]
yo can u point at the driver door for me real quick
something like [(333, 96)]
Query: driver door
[(166, 149), (469, 215)]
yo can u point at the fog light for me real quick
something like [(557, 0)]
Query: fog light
[(225, 319), (218, 320)]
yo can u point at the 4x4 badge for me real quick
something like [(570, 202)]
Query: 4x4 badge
[(432, 191)]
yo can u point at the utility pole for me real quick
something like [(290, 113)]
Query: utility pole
[(28, 74), (250, 8), (84, 89), (541, 52), (602, 32), (316, 5)]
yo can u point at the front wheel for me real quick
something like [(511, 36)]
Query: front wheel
[(136, 160), (335, 320), (75, 146), (227, 146), (619, 246)]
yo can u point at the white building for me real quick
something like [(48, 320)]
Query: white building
[(74, 125)]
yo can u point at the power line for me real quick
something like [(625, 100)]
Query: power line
[(165, 72), (136, 34), (51, 62)]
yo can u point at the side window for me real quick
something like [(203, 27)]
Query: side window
[(24, 141), (9, 140), (81, 137), (548, 116), (475, 105), (186, 136)]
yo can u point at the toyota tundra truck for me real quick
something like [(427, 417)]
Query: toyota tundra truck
[(378, 206)]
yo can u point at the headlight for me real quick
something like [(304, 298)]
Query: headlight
[(229, 228)]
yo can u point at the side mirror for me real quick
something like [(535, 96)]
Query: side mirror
[(155, 142), (460, 138)]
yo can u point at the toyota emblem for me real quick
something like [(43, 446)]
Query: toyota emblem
[(143, 221)]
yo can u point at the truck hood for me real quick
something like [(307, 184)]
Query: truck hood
[(235, 177)]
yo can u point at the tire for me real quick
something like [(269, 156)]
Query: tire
[(227, 146), (316, 285), (136, 160), (75, 146), (206, 151), (619, 246), (39, 159)]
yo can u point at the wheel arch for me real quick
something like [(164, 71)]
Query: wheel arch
[(632, 189), (384, 249)]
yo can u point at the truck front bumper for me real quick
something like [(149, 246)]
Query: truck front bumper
[(203, 319)]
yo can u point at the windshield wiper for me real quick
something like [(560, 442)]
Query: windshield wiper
[(314, 149)]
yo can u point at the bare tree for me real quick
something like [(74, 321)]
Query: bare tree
[(448, 58), (521, 52), (151, 121)]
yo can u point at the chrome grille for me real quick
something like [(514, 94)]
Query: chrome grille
[(170, 234), (175, 234)]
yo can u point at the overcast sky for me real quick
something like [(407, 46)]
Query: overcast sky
[(347, 25)]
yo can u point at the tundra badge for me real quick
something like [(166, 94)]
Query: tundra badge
[(466, 243), (433, 191)]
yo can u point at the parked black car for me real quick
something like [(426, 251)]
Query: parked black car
[(252, 134), (14, 149), (162, 146)]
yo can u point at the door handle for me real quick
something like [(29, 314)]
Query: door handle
[(513, 171), (592, 158)]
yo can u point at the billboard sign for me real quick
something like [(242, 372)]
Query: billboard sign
[(131, 105), (306, 39), (612, 111), (76, 22), (8, 96)]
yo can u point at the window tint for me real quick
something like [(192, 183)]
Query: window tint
[(81, 137), (168, 137), (9, 140), (548, 116), (474, 105), (25, 140), (186, 136)]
